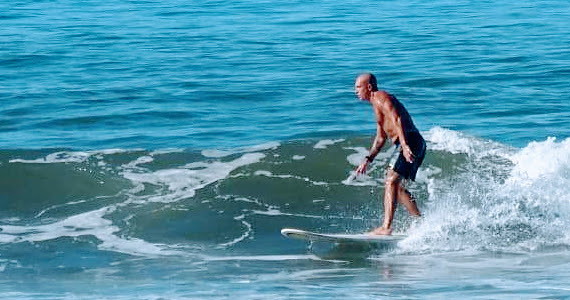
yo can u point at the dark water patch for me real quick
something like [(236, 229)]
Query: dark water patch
[(53, 185), (118, 119), (27, 60)]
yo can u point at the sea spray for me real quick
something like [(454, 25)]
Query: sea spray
[(499, 199)]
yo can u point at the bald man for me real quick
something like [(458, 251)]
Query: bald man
[(392, 122)]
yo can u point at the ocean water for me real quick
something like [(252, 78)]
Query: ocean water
[(154, 149)]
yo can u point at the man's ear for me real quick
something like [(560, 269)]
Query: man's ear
[(369, 86)]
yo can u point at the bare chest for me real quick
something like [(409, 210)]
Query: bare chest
[(387, 125)]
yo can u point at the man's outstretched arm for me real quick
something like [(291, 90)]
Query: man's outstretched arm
[(376, 147)]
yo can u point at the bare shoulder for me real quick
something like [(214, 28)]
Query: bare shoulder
[(382, 94), (386, 99)]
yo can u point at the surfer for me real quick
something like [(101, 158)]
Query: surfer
[(392, 122)]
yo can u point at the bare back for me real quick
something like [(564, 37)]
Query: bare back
[(392, 116)]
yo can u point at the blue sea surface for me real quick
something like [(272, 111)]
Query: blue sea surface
[(154, 149)]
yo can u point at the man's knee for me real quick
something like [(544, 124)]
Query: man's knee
[(392, 178)]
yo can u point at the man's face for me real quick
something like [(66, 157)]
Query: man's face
[(361, 88)]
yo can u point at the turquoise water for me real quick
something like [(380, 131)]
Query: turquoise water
[(154, 149)]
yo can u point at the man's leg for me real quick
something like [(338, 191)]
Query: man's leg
[(390, 193), (406, 199)]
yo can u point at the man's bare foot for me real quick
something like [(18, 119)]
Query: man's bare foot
[(381, 231)]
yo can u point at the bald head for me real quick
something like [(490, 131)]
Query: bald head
[(370, 79), (365, 84)]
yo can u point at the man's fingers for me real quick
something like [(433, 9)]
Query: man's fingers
[(361, 169), (410, 155)]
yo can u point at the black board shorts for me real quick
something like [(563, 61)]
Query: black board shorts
[(418, 146)]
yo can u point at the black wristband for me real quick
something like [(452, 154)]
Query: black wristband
[(369, 158)]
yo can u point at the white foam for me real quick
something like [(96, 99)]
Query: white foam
[(166, 151), (306, 179), (522, 208), (261, 147), (262, 173), (184, 181), (542, 160), (298, 157), (323, 144), (457, 142), (58, 206), (139, 161), (68, 156), (312, 274), (262, 258), (58, 157), (359, 180), (248, 232), (357, 158), (539, 182), (90, 223), (272, 211), (174, 184), (216, 153), (213, 153), (179, 183)]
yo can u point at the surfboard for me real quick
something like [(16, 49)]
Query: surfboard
[(342, 238)]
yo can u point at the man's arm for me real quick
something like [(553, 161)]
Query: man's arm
[(378, 142), (397, 121), (376, 146)]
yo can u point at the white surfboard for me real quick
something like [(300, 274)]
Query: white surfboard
[(342, 238)]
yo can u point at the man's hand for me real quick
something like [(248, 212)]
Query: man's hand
[(408, 155), (362, 168)]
